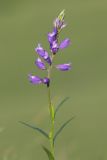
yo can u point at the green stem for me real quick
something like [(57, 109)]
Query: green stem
[(51, 133), (51, 109)]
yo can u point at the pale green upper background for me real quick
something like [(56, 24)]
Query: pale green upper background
[(24, 23)]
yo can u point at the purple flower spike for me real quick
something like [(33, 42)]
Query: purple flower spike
[(40, 64), (42, 53), (35, 79), (52, 36), (65, 43), (64, 67)]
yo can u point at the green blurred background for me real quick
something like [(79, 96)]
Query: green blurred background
[(24, 23)]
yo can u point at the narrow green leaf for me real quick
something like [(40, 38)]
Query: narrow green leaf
[(35, 128), (60, 104), (49, 154), (62, 127)]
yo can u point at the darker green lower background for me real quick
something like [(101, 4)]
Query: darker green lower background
[(24, 23)]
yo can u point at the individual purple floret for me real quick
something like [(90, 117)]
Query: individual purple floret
[(37, 80), (34, 79), (42, 53), (64, 67), (54, 47), (52, 36), (65, 43), (40, 64)]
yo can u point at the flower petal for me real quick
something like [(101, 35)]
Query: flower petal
[(40, 64), (64, 25), (48, 60), (54, 47), (65, 43), (42, 53), (59, 24), (64, 67), (34, 79), (52, 36)]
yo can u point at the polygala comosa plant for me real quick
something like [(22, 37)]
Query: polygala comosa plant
[(45, 62)]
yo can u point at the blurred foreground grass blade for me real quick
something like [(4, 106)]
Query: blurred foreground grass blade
[(50, 156), (62, 127), (35, 128), (60, 104)]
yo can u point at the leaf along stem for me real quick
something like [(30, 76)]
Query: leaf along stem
[(35, 128), (62, 127)]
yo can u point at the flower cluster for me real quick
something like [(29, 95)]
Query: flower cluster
[(44, 57)]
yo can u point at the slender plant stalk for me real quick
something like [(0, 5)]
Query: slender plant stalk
[(44, 57), (51, 109)]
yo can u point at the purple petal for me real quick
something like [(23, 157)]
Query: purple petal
[(48, 60), (56, 23), (65, 43), (34, 79), (42, 53), (54, 47), (64, 25), (59, 24), (52, 36), (40, 64), (64, 67)]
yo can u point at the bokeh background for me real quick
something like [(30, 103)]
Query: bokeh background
[(24, 23)]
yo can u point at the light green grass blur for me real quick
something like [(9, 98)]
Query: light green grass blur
[(24, 23)]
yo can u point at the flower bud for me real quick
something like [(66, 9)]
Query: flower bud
[(40, 64), (65, 43), (34, 79), (64, 67), (43, 54)]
